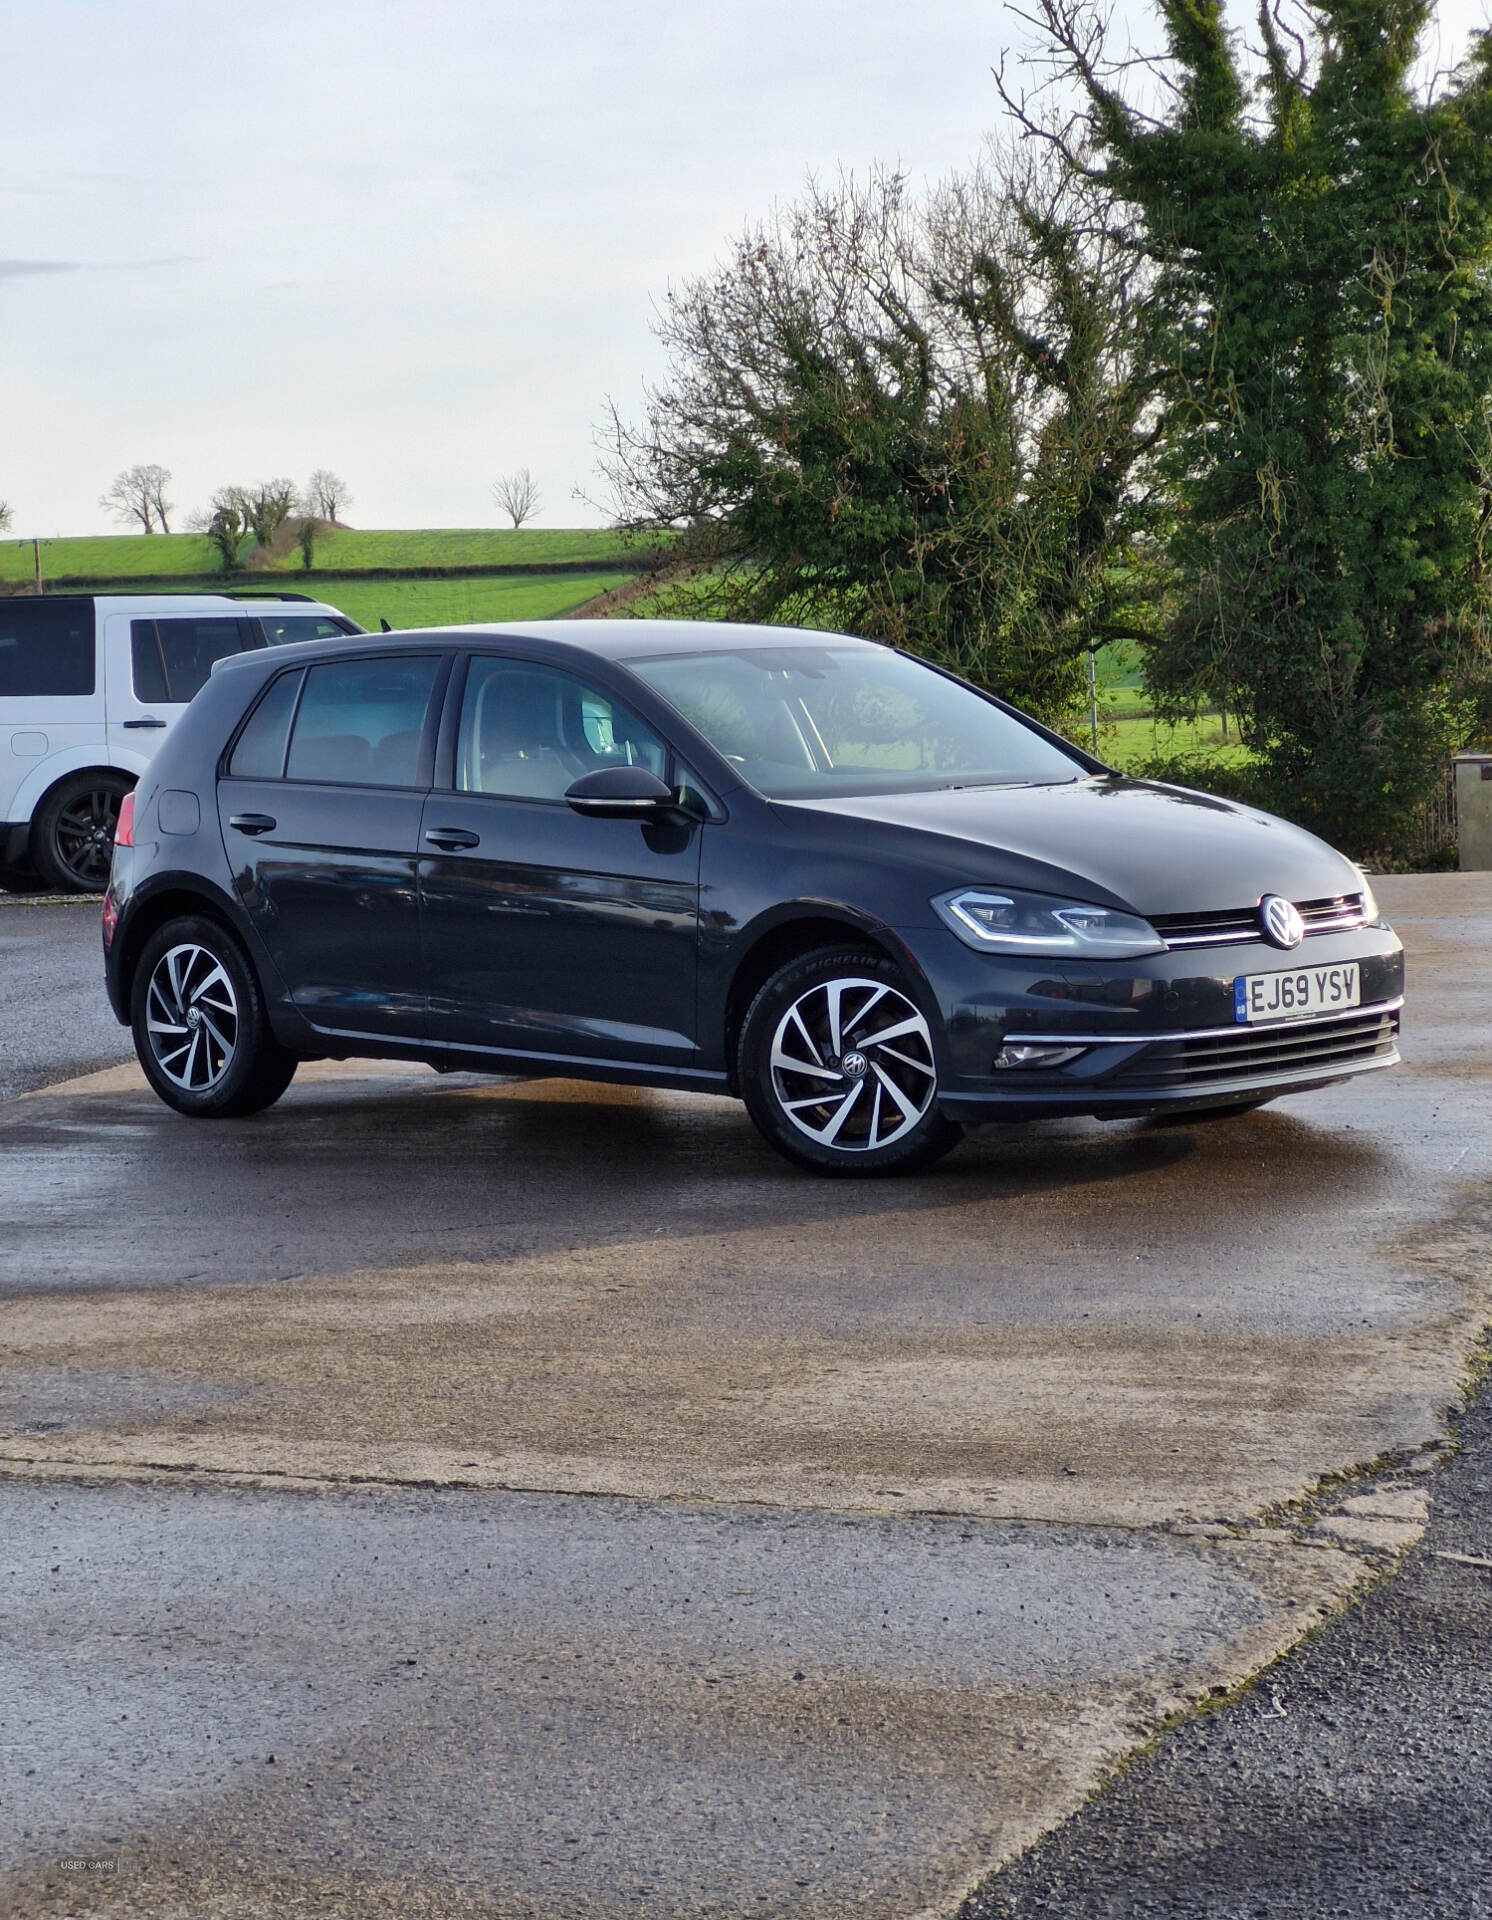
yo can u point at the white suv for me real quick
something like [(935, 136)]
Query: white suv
[(89, 686)]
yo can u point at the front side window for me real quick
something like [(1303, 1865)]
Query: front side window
[(284, 629), (46, 648), (360, 722), (529, 732), (171, 659), (808, 722)]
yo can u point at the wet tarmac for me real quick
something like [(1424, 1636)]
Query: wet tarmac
[(1079, 1370)]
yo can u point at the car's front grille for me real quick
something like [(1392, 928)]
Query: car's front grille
[(1309, 1046), (1340, 914)]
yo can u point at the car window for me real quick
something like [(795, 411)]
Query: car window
[(284, 629), (529, 732), (171, 659), (260, 753), (46, 647), (360, 721), (809, 722)]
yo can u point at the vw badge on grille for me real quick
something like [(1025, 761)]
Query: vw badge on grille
[(1283, 926)]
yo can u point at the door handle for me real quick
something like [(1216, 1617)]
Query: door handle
[(252, 822), (149, 721), (453, 838)]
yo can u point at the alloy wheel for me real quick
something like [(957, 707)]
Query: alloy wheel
[(191, 1015), (852, 1064), (84, 835)]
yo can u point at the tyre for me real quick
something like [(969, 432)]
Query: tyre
[(201, 1031), (72, 836), (837, 1068)]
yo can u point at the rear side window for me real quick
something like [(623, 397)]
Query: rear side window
[(284, 629), (171, 659), (46, 648), (260, 753), (360, 721)]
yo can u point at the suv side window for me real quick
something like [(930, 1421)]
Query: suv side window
[(47, 649), (171, 659), (528, 732), (360, 722), (284, 629)]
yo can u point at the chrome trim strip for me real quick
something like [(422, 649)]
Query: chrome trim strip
[(1213, 939), (1352, 923), (1376, 1009)]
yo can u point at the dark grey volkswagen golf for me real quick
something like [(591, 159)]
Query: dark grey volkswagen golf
[(872, 901)]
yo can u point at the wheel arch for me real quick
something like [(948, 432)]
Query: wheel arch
[(810, 929), (41, 781), (173, 901)]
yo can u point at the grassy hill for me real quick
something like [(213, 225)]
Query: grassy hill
[(161, 556)]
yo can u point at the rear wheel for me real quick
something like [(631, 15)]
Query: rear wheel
[(72, 837), (200, 1027), (837, 1069)]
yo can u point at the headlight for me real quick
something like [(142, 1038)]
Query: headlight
[(1369, 904), (1002, 920)]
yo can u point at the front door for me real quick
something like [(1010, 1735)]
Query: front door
[(549, 936), (320, 811)]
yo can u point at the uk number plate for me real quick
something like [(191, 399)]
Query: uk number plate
[(1294, 996)]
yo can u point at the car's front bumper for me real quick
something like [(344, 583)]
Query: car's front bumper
[(1157, 1034)]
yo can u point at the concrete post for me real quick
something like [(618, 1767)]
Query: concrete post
[(1474, 812)]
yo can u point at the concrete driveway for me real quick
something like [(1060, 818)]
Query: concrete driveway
[(924, 1501)]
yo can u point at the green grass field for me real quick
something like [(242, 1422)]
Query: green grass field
[(1128, 743), (114, 556), (467, 547), (426, 603), (132, 556), (446, 603)]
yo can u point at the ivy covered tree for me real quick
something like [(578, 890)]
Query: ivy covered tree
[(920, 419), (1319, 228)]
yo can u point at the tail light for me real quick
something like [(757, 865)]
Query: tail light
[(124, 832)]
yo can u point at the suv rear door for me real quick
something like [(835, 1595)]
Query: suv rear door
[(154, 666)]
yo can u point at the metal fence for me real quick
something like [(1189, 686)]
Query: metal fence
[(1437, 821)]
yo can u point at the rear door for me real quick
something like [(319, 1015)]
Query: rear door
[(548, 935), (155, 666), (320, 808)]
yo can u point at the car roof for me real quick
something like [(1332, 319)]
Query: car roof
[(619, 640)]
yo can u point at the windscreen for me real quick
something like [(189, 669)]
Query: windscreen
[(809, 722)]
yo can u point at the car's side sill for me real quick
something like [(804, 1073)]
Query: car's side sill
[(440, 1053)]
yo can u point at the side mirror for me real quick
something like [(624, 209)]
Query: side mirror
[(622, 793)]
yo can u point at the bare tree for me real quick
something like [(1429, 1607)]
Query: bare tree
[(7, 514), (517, 495), (139, 493), (225, 521), (325, 496), (159, 478), (269, 506)]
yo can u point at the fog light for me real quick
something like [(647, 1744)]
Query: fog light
[(1018, 1056)]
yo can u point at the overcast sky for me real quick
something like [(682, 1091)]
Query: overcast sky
[(416, 241)]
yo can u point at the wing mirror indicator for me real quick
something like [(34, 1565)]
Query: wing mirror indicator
[(628, 793)]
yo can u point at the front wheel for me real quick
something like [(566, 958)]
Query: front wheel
[(200, 1027), (837, 1068)]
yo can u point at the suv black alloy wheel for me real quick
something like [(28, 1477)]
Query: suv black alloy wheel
[(72, 842)]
